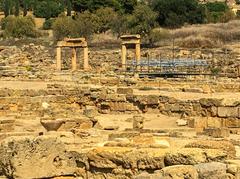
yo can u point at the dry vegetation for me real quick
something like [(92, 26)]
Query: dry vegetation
[(207, 35)]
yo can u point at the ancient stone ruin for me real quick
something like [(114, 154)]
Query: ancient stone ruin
[(107, 123)]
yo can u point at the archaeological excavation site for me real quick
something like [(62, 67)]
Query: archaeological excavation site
[(71, 110)]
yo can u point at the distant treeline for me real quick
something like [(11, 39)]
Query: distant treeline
[(85, 17), (170, 13)]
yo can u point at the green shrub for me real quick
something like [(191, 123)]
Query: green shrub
[(105, 18), (87, 24), (142, 21), (19, 27), (64, 26), (48, 24)]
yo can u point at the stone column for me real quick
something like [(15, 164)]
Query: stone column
[(59, 61), (124, 55), (74, 59), (138, 55), (85, 58)]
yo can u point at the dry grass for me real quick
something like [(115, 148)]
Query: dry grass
[(207, 35)]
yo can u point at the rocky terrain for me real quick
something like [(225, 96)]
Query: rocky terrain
[(105, 123)]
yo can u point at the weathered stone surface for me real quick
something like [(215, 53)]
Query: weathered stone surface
[(192, 156), (127, 158), (217, 132), (227, 112), (30, 157), (211, 170), (210, 102), (127, 91), (138, 122), (226, 146), (179, 171)]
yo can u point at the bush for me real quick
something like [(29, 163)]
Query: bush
[(84, 25), (48, 24), (19, 27), (87, 24), (105, 18), (218, 12), (142, 21), (64, 26), (158, 34), (119, 25)]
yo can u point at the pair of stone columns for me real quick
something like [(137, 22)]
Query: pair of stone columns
[(137, 55), (74, 59)]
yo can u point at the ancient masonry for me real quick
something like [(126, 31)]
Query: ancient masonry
[(74, 44), (106, 124)]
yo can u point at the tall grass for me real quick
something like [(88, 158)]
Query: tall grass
[(207, 35)]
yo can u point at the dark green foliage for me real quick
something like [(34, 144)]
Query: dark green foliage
[(174, 13), (84, 25), (48, 8), (218, 12), (105, 16), (17, 6), (48, 24), (69, 7), (217, 7), (6, 7), (143, 20), (125, 6)]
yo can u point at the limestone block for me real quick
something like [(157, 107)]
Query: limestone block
[(225, 146), (205, 102), (127, 158), (210, 170), (228, 112), (127, 91), (179, 171), (35, 157), (232, 122), (192, 156), (217, 132)]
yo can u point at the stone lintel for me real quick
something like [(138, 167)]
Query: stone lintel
[(72, 44), (130, 39)]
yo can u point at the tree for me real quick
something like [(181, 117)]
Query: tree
[(127, 6), (48, 8), (87, 24), (69, 8), (17, 6), (64, 26), (6, 5), (218, 12), (175, 13), (143, 20), (105, 17), (119, 24), (93, 5)]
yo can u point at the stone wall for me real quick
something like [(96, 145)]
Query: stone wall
[(70, 102)]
